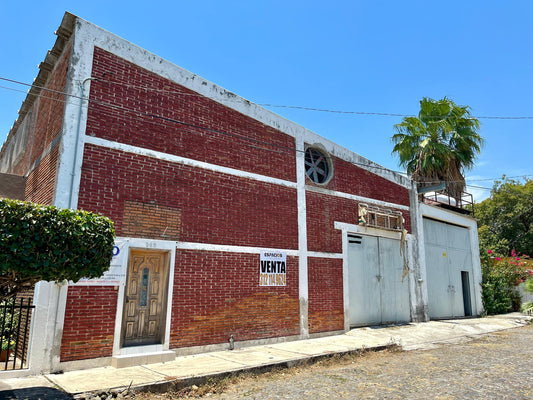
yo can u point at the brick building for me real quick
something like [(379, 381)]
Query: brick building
[(232, 222)]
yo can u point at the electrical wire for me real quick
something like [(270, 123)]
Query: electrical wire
[(380, 113), (167, 119), (165, 91), (217, 131)]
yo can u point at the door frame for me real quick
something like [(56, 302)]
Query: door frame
[(128, 244), (464, 221), (382, 241), (347, 228)]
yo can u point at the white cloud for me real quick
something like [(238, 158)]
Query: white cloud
[(478, 193)]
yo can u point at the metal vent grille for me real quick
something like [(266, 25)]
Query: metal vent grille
[(355, 239)]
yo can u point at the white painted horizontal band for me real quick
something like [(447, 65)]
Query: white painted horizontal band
[(318, 254), (356, 198), (186, 161), (364, 230), (448, 216), (134, 242), (230, 249)]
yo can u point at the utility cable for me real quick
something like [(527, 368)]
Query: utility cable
[(217, 131), (500, 117)]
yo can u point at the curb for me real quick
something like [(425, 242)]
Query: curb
[(182, 383)]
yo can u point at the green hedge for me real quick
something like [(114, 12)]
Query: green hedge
[(52, 244)]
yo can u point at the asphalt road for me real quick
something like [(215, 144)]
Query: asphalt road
[(497, 366)]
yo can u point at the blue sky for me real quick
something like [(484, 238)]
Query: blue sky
[(365, 56)]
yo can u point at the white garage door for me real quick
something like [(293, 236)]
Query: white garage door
[(449, 269), (377, 294)]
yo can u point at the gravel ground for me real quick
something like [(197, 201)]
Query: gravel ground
[(497, 366)]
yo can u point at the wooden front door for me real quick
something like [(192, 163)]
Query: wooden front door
[(145, 298)]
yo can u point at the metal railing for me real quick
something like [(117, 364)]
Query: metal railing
[(464, 204), (15, 317), (381, 218)]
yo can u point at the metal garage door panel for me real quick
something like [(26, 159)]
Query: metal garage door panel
[(394, 293), (448, 253), (363, 285), (439, 304), (459, 260), (457, 237), (432, 233)]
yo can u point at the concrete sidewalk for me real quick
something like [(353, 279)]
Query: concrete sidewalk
[(195, 368)]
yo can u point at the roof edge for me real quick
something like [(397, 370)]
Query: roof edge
[(63, 33)]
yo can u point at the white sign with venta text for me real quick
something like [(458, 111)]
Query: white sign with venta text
[(273, 268)]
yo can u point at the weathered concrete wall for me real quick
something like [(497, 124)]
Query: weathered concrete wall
[(12, 186)]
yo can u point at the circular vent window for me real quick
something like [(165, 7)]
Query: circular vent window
[(316, 165)]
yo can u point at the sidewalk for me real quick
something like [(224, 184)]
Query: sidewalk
[(196, 368)]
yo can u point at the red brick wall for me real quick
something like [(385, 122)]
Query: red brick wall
[(349, 178), (326, 304), (40, 184), (215, 293), (215, 208), (322, 212), (46, 124), (45, 118), (146, 220), (89, 322), (129, 86), (51, 108), (218, 294)]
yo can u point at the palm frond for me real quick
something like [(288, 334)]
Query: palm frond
[(439, 144)]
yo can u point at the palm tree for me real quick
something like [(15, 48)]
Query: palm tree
[(438, 145)]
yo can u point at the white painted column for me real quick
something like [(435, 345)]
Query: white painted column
[(417, 252), (44, 348), (477, 279), (345, 279), (303, 282), (50, 298)]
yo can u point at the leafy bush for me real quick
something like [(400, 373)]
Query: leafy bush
[(47, 243), (500, 278), (529, 283), (7, 343), (9, 318), (527, 307)]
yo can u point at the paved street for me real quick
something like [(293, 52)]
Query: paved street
[(497, 366)]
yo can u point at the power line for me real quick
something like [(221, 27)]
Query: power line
[(217, 131), (181, 93), (186, 124), (479, 187), (144, 87), (378, 113), (492, 179)]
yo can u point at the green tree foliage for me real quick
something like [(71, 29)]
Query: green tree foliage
[(505, 220), (529, 285), (500, 277), (439, 144), (51, 244)]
